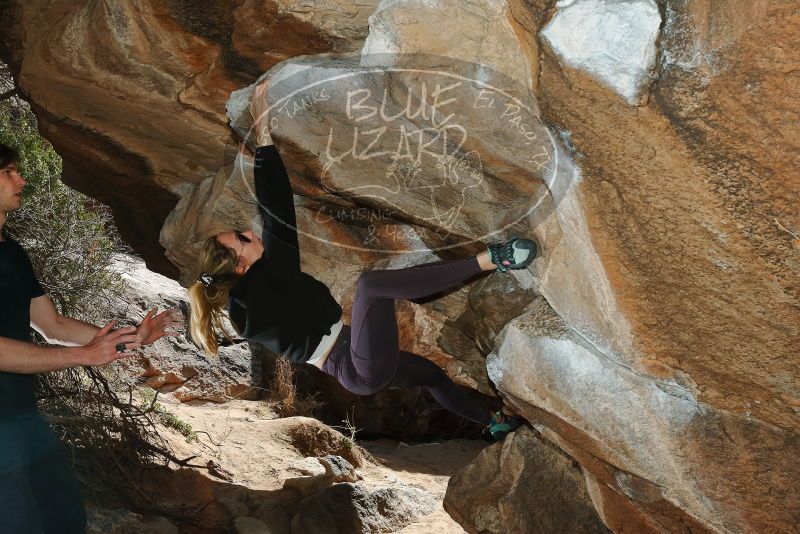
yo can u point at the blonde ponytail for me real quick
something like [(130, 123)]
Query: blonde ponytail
[(208, 302)]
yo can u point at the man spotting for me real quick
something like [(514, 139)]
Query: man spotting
[(38, 492)]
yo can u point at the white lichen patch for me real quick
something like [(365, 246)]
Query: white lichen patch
[(614, 41)]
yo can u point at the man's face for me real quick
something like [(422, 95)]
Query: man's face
[(11, 184)]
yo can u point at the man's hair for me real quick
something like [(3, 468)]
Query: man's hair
[(7, 155)]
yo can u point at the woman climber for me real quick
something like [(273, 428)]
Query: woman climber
[(271, 301)]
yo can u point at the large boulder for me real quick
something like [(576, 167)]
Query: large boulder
[(691, 305), (527, 485), (669, 284), (682, 451)]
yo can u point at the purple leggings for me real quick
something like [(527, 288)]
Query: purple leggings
[(366, 357)]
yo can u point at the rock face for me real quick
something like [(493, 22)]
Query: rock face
[(699, 289), (526, 485), (650, 147), (402, 26), (175, 364)]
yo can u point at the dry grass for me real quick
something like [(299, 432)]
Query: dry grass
[(283, 392)]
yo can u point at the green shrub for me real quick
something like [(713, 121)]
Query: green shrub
[(70, 238), (167, 418)]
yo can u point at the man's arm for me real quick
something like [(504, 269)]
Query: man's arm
[(25, 357), (62, 330), (56, 328)]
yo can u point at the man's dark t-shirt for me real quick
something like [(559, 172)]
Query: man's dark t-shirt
[(38, 492), (18, 285)]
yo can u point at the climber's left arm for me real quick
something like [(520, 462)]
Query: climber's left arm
[(276, 204)]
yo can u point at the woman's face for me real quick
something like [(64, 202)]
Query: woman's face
[(246, 245)]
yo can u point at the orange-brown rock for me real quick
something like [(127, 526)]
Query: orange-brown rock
[(132, 94), (670, 267), (663, 352)]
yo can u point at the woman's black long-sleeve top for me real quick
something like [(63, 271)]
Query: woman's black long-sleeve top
[(275, 303)]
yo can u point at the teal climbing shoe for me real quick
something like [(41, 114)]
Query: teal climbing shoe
[(513, 254), (501, 425)]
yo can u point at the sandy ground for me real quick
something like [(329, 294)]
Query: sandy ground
[(252, 448)]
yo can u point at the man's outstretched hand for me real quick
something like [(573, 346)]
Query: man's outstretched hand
[(153, 327), (103, 348)]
